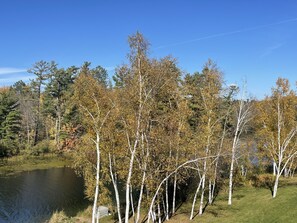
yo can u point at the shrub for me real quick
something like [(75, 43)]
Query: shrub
[(41, 148), (4, 151), (59, 217), (262, 180)]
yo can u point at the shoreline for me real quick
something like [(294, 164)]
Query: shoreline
[(22, 163)]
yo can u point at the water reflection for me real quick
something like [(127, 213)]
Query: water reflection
[(31, 197)]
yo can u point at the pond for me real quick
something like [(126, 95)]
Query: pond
[(32, 197)]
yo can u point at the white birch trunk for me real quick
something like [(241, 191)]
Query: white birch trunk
[(202, 195), (140, 196), (231, 179), (215, 178), (163, 181), (242, 119), (274, 168), (174, 193), (234, 145), (166, 198), (213, 191), (94, 214), (209, 191), (143, 137), (164, 207), (128, 187), (195, 198), (115, 186), (132, 204), (159, 213), (205, 168), (275, 187), (175, 181)]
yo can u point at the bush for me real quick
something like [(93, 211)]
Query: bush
[(41, 148), (262, 180), (59, 217), (5, 151)]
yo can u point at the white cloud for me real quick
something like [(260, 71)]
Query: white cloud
[(11, 70), (10, 75), (216, 35), (13, 79), (271, 49)]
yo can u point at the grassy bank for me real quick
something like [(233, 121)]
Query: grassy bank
[(21, 163), (250, 205), (84, 216)]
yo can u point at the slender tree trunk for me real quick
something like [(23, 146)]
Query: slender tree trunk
[(166, 198), (166, 188), (274, 168), (139, 116), (95, 211), (202, 195), (234, 145), (213, 191), (115, 186), (154, 214), (132, 203), (215, 178), (128, 187), (231, 177), (205, 168), (195, 198), (242, 119), (286, 171), (141, 194), (164, 207), (209, 191), (159, 213), (290, 167), (28, 135), (175, 181), (275, 187), (38, 114), (174, 193)]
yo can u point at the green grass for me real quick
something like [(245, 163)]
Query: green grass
[(22, 163), (250, 205)]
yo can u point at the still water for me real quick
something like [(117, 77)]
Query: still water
[(31, 197)]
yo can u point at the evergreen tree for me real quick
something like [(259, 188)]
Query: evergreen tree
[(10, 120)]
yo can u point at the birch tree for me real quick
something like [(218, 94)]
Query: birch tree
[(96, 106), (243, 116), (277, 128), (134, 100), (204, 90)]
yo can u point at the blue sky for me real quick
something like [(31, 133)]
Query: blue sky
[(252, 40)]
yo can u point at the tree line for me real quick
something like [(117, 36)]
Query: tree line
[(153, 135)]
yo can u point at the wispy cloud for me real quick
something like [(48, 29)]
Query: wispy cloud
[(10, 75), (227, 33), (10, 80), (11, 70), (269, 50)]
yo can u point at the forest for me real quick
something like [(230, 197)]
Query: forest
[(152, 136)]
